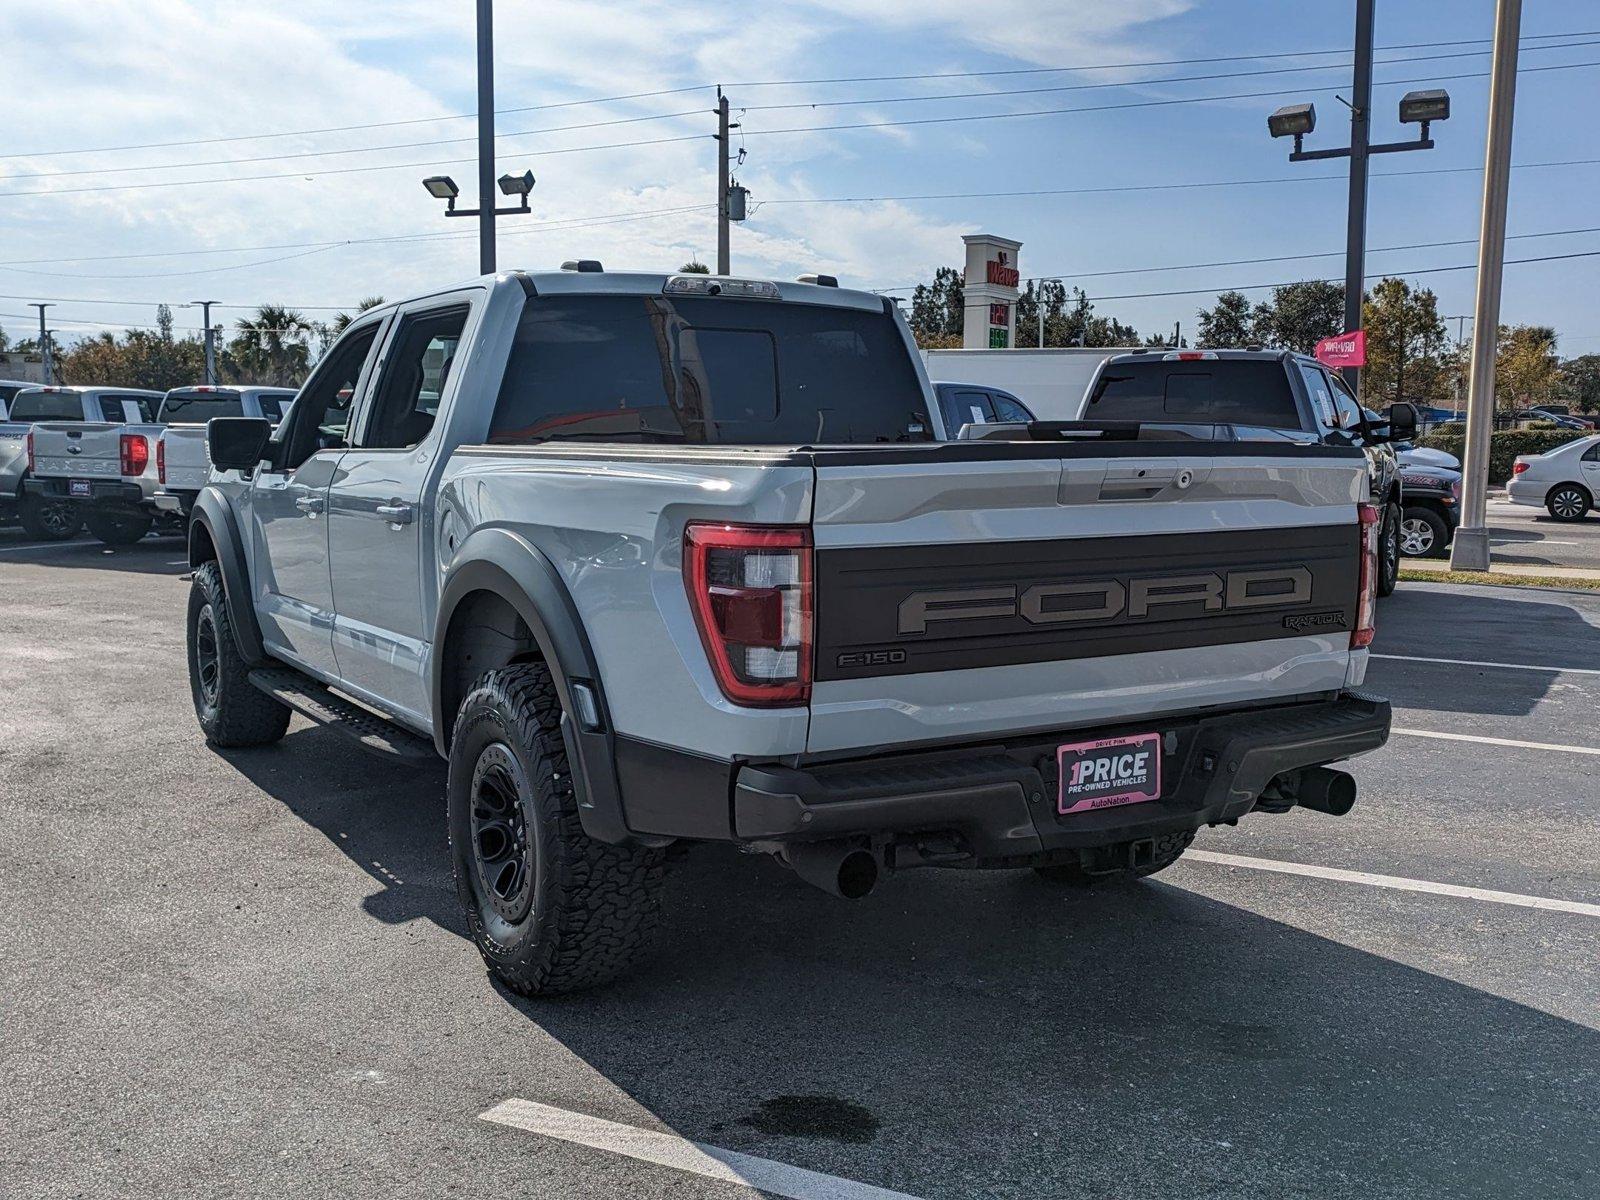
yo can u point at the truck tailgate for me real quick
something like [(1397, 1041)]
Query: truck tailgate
[(1036, 587), (183, 453), (77, 450)]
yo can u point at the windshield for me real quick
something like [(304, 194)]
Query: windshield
[(196, 408), (47, 406), (706, 370), (1225, 391)]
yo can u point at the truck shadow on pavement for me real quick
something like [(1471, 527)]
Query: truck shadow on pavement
[(1528, 627), (964, 1034), (166, 555)]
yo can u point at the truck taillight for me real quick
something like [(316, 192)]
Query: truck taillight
[(29, 440), (161, 462), (1367, 586), (135, 449), (750, 590)]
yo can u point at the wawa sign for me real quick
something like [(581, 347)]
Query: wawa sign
[(1343, 349), (1002, 272)]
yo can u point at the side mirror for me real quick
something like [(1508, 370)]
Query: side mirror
[(237, 443), (1402, 418)]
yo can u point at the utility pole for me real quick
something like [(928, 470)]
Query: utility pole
[(723, 184), (1355, 246), (1470, 550), (46, 359), (486, 210), (211, 345)]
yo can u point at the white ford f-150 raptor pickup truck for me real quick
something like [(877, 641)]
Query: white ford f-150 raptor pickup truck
[(77, 444), (654, 559)]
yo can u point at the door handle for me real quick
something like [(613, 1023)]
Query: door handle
[(399, 514), (310, 504)]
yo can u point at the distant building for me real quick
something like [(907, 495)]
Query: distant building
[(22, 368)]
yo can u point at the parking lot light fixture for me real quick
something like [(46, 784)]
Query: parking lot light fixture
[(441, 187), (1293, 120), (1419, 108)]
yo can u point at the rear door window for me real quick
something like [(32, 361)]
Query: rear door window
[(1221, 391), (968, 408), (1008, 408), (703, 370)]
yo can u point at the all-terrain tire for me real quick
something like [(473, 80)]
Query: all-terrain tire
[(1169, 848), (118, 529), (47, 520), (1389, 551), (231, 711), (550, 909)]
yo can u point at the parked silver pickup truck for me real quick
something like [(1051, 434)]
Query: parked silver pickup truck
[(75, 444), (654, 559), (182, 465)]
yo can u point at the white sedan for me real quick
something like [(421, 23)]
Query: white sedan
[(1565, 480)]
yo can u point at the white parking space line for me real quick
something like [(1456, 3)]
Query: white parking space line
[(1481, 739), (1467, 662), (668, 1150), (45, 546), (1395, 882)]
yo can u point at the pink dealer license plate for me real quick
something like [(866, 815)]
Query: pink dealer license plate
[(1123, 770)]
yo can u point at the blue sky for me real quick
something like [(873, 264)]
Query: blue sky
[(84, 77)]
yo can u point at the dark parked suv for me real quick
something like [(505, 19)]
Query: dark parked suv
[(1258, 395)]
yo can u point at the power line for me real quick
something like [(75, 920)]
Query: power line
[(678, 91), (1047, 112), (1132, 83), (321, 171), (1126, 66)]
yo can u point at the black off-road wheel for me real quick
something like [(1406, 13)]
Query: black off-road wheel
[(1389, 551), (118, 529), (1568, 502), (231, 711), (1169, 848), (49, 520), (550, 909)]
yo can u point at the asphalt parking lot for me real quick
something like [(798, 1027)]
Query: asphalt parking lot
[(1530, 537), (244, 973)]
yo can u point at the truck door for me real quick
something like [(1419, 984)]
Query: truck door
[(289, 502), (378, 511)]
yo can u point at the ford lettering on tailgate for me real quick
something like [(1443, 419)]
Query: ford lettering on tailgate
[(903, 609)]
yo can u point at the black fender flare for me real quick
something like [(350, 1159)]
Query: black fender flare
[(507, 565), (212, 513)]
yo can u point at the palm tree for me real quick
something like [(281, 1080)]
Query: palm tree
[(273, 344), (342, 320)]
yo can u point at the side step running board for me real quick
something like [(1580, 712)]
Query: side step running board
[(311, 699)]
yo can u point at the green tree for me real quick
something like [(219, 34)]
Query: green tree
[(1580, 382), (1525, 367), (694, 267), (273, 345), (1226, 324), (936, 310), (139, 358), (1408, 351), (341, 321), (1299, 315), (5, 342)]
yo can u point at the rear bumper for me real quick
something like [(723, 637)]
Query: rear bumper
[(999, 799), (1528, 491), (101, 491)]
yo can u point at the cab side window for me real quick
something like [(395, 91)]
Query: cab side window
[(1344, 404), (1007, 408), (414, 376), (321, 414)]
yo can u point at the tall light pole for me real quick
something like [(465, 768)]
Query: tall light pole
[(486, 212), (211, 345), (1470, 550), (442, 187), (46, 360), (723, 239), (1297, 120)]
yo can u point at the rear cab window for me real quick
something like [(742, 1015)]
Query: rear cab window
[(47, 406), (196, 408), (702, 370), (1206, 391)]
